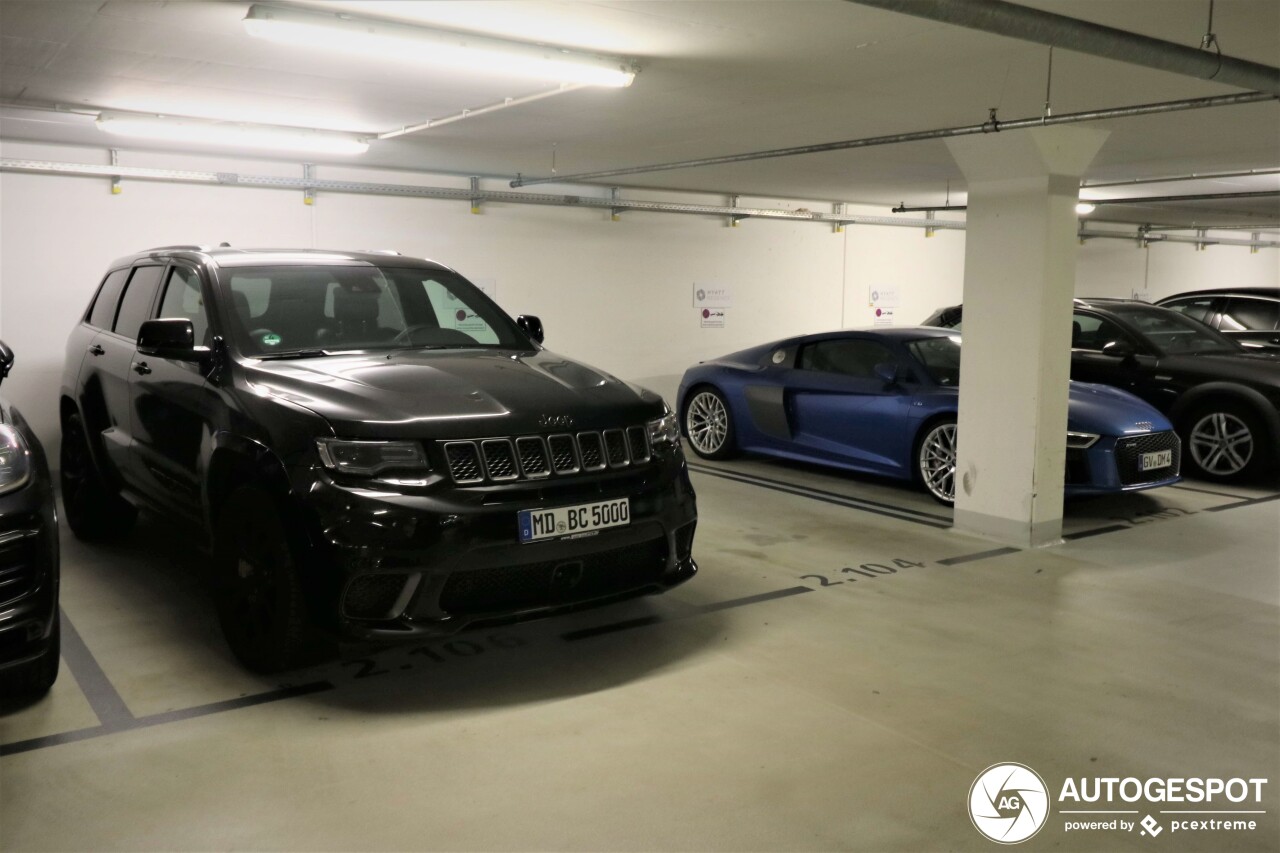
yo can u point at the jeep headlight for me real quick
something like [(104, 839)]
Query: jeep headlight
[(371, 458), (1081, 440), (15, 460), (664, 430)]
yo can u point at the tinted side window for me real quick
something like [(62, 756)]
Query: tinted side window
[(856, 358), (1242, 313), (183, 299), (1199, 309), (104, 305), (1093, 333), (136, 304)]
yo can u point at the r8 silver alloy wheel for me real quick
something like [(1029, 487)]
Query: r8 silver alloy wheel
[(936, 461), (1221, 444), (709, 425)]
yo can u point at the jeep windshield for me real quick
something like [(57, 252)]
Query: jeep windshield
[(296, 311)]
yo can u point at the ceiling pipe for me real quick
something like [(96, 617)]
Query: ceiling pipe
[(1020, 22), (1153, 199), (49, 167), (1194, 176), (992, 125)]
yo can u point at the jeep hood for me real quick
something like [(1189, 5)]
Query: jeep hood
[(453, 393)]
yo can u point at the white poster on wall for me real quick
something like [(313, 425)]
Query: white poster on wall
[(882, 296), (712, 318), (712, 296), (884, 317)]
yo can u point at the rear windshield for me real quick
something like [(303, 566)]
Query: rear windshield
[(284, 309)]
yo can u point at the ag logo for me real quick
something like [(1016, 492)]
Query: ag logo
[(1008, 803)]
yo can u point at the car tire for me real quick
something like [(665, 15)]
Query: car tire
[(256, 587), (935, 460), (34, 677), (1226, 441), (708, 424), (93, 511)]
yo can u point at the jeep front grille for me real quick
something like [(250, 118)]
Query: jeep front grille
[(535, 457)]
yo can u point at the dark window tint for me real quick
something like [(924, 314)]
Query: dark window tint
[(104, 306), (1242, 313), (940, 357), (137, 301), (857, 358), (1094, 333), (335, 307), (183, 299), (1199, 309)]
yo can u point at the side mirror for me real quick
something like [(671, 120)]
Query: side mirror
[(889, 371), (531, 326), (173, 338), (6, 360), (1118, 349)]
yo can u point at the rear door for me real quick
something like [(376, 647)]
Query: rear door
[(111, 365), (840, 410)]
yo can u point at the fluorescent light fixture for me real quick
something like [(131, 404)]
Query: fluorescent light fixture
[(178, 129), (1084, 208), (406, 43)]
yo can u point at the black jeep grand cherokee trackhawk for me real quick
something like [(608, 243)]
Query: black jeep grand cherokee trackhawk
[(373, 448)]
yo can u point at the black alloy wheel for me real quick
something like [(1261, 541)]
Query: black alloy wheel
[(256, 587)]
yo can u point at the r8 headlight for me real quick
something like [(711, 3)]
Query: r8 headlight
[(371, 458), (15, 460), (664, 430)]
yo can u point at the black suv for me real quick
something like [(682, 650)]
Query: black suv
[(29, 629), (1247, 315), (372, 448), (1224, 400)]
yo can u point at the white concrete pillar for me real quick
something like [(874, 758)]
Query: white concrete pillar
[(1019, 280)]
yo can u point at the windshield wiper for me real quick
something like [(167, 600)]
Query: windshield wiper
[(297, 353)]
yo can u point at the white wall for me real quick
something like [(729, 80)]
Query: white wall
[(615, 294)]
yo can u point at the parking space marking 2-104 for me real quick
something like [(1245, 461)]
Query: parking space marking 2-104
[(867, 570)]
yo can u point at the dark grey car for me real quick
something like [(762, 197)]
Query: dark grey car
[(29, 628)]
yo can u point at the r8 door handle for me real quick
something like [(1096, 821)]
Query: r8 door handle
[(141, 368)]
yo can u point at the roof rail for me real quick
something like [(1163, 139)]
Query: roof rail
[(185, 248)]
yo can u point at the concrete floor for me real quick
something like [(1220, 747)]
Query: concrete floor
[(775, 702)]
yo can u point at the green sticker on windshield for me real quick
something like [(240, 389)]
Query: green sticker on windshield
[(271, 339)]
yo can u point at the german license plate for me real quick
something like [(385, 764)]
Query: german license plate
[(1158, 459), (565, 522)]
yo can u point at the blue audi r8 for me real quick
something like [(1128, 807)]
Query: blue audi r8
[(884, 401)]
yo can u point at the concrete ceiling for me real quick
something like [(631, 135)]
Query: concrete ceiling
[(716, 78)]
